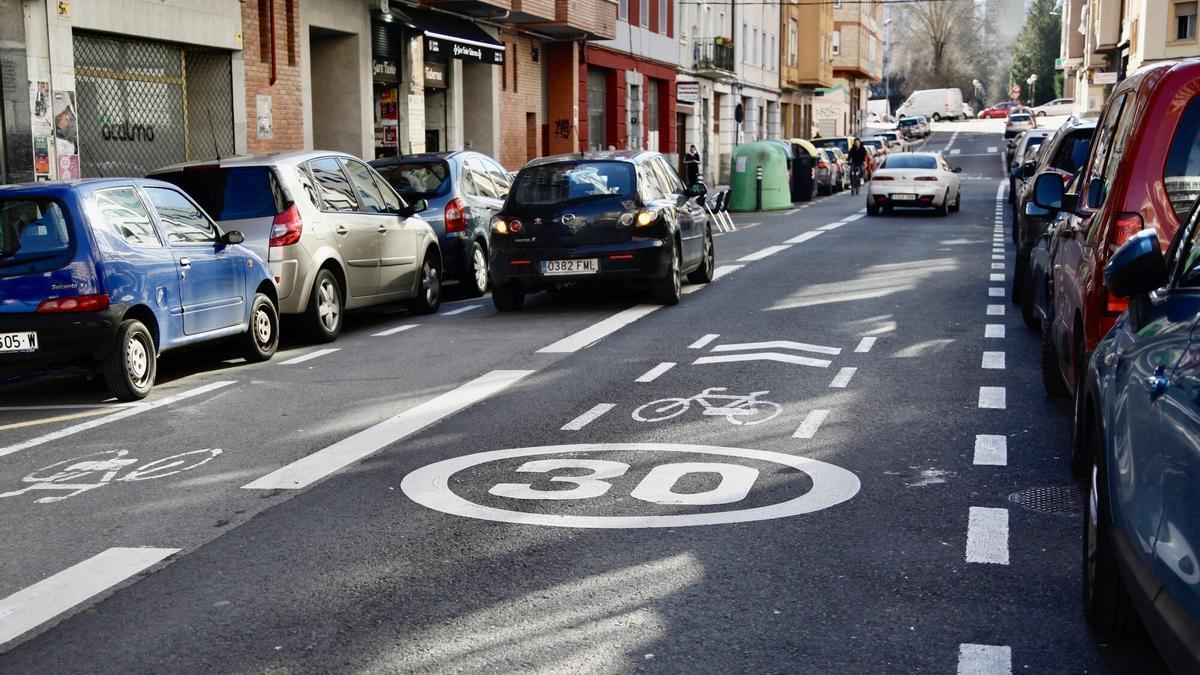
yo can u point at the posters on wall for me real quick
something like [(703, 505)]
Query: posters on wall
[(41, 127), (264, 116), (66, 136), (55, 126)]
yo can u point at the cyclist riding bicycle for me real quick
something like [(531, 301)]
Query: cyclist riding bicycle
[(858, 163)]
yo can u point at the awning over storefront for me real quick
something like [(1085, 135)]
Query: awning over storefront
[(448, 37)]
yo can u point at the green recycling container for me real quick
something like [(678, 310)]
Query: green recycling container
[(746, 160)]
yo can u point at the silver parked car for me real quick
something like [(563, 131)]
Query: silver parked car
[(336, 235)]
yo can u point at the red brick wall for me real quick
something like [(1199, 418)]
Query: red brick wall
[(617, 65), (286, 96), (563, 89), (523, 95)]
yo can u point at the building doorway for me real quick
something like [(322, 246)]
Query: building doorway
[(597, 104), (336, 99), (531, 136)]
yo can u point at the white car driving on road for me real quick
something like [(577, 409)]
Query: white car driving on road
[(914, 180), (1059, 106)]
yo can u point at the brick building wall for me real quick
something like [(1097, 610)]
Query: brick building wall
[(287, 103), (615, 66), (521, 99)]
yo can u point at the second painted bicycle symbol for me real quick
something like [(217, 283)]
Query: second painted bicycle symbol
[(741, 409)]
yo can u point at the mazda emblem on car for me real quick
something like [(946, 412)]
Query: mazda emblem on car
[(568, 218)]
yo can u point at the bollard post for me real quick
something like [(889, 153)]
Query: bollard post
[(758, 189)]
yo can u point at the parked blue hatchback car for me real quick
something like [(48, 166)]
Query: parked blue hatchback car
[(112, 272), (1141, 408)]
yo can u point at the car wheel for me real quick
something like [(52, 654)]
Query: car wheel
[(704, 273), (943, 208), (130, 369), (668, 290), (429, 288), (1028, 313), (1041, 113), (475, 282), (872, 210), (262, 336), (958, 201), (507, 297), (1106, 603), (1079, 449), (1018, 278), (1052, 380), (323, 316), (937, 117)]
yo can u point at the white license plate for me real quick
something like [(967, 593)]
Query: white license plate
[(18, 342), (581, 266), (904, 198)]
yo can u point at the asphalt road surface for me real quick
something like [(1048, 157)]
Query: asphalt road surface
[(837, 457)]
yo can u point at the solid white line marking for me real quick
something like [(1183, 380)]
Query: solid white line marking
[(995, 277), (792, 212), (599, 330), (812, 422), (367, 442), (115, 417), (462, 310), (763, 356), (69, 406), (993, 360), (33, 606), (778, 344), (704, 341), (987, 536), (759, 255), (992, 398), (842, 378), (724, 270), (865, 344), (309, 356), (984, 659), (995, 292), (831, 226), (993, 330), (655, 372), (800, 239), (995, 310), (991, 450), (588, 417), (854, 217), (393, 331)]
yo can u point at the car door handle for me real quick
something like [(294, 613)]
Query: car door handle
[(185, 262), (341, 229), (383, 229)]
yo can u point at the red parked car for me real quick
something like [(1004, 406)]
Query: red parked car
[(1143, 171), (998, 111)]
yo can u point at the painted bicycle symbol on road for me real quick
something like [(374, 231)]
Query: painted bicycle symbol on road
[(738, 409), (89, 472)]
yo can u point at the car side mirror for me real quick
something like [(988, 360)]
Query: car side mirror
[(1048, 192), (232, 237), (413, 208), (1095, 193), (697, 190), (1027, 169), (1138, 267)]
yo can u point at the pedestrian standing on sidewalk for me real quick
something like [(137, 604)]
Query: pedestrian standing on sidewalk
[(691, 165)]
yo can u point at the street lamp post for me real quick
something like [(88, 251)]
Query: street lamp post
[(978, 94), (1032, 95)]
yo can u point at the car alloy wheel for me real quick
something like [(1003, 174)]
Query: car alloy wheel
[(481, 269), (329, 305), (431, 283)]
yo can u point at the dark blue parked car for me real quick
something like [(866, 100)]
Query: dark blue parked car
[(463, 191), (1142, 430), (112, 273)]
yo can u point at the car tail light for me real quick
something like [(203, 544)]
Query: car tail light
[(456, 217), (78, 303), (1113, 304), (286, 228), (926, 178), (1125, 225), (883, 178), (822, 164)]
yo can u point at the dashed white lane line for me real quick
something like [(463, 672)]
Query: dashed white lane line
[(115, 417), (31, 607), (993, 360), (599, 330), (987, 535), (724, 270), (992, 398), (984, 659), (991, 149), (800, 239), (393, 331), (309, 356), (588, 417), (995, 292), (812, 422), (991, 450), (993, 330), (461, 310), (997, 256), (865, 344), (998, 266), (759, 255), (704, 341), (842, 379), (955, 152), (831, 226), (995, 310), (367, 442), (655, 372), (995, 277)]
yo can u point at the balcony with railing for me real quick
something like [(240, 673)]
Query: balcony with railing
[(713, 55)]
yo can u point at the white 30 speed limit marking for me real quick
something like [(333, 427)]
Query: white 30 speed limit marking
[(430, 486)]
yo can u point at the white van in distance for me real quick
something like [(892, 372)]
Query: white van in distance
[(936, 104)]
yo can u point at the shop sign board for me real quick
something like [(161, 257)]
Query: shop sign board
[(384, 70), (446, 48), (435, 75), (1104, 78), (687, 92)]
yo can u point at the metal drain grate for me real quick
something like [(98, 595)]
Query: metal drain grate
[(1050, 499)]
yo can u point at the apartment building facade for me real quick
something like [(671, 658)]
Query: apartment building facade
[(857, 48), (806, 34)]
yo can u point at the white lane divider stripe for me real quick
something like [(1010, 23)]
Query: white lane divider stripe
[(984, 659), (725, 270), (656, 372), (309, 356), (995, 292), (393, 331), (995, 310), (853, 217), (704, 341), (759, 255), (955, 152), (115, 417), (987, 536), (31, 607), (812, 422), (588, 417), (997, 256), (599, 330), (842, 378), (993, 330), (865, 344), (461, 310), (995, 277), (993, 361), (998, 266), (991, 450), (800, 239), (831, 226), (991, 149), (367, 442), (992, 398)]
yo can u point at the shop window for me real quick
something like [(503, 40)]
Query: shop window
[(623, 10), (662, 17), (837, 43), (597, 101), (1185, 20), (264, 30)]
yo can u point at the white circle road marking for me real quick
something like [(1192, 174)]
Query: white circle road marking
[(429, 486)]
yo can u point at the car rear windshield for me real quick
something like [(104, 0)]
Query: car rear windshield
[(572, 181), (839, 143), (1034, 141), (910, 162), (418, 180), (1020, 117), (909, 122), (34, 235), (232, 193), (1181, 175)]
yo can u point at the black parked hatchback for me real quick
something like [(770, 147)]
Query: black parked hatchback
[(599, 218)]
